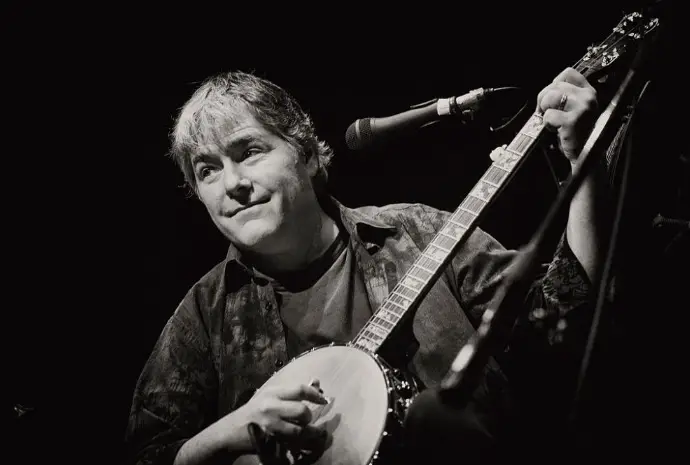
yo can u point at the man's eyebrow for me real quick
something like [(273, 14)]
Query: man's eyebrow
[(201, 157), (240, 141)]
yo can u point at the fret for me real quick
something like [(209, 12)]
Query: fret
[(406, 291), (435, 252), (473, 204), (506, 160), (379, 321), (427, 263), (483, 190), (502, 167), (460, 209), (534, 126), (425, 275), (463, 218), (452, 238), (396, 305), (376, 329), (397, 299), (394, 309), (454, 230), (370, 338), (365, 343), (435, 261), (412, 283), (520, 144), (490, 183), (385, 315), (398, 308), (402, 299), (371, 335), (443, 242), (495, 175)]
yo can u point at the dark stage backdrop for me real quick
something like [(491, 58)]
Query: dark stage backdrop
[(164, 240)]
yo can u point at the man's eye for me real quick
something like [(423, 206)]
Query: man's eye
[(251, 151), (204, 172)]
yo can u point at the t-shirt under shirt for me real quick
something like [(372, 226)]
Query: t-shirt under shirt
[(324, 303)]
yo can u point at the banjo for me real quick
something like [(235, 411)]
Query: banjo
[(365, 420)]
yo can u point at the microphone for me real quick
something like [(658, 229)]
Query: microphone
[(364, 131)]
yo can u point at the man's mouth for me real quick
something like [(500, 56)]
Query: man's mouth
[(244, 207)]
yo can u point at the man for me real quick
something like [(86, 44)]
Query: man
[(303, 270)]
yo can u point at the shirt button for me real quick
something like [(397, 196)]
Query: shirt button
[(279, 363)]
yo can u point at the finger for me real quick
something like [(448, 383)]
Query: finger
[(572, 76), (555, 119), (552, 95), (312, 438), (551, 99), (285, 428), (549, 94), (315, 383), (308, 438), (302, 392), (294, 411)]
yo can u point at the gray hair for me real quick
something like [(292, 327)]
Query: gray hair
[(222, 97)]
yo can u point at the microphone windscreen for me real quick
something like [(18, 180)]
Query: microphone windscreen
[(358, 134)]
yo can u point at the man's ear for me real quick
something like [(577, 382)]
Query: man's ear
[(312, 160)]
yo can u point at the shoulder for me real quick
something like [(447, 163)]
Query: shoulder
[(404, 214), (204, 298), (423, 222)]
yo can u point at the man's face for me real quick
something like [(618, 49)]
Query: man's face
[(255, 186)]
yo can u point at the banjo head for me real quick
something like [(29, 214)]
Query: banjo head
[(360, 395)]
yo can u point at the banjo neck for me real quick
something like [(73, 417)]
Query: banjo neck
[(421, 275)]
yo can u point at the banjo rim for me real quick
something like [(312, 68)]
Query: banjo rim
[(383, 368)]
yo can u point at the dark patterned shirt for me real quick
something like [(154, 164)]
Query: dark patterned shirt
[(226, 336)]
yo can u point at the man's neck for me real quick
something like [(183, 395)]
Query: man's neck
[(305, 249)]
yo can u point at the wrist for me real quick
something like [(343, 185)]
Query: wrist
[(231, 432)]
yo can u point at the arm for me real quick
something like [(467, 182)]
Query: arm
[(569, 106), (174, 417), (215, 441), (588, 226), (175, 395)]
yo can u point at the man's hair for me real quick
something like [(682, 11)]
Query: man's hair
[(222, 97)]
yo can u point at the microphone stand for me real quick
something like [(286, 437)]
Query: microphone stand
[(463, 377)]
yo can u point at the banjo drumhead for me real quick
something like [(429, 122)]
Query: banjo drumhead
[(357, 387)]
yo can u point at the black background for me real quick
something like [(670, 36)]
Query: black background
[(82, 329)]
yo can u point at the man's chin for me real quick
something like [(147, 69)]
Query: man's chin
[(255, 235)]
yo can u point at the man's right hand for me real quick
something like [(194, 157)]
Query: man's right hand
[(281, 411), (278, 411)]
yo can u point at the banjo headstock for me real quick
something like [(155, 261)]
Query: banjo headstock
[(618, 48)]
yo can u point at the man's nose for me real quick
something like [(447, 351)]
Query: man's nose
[(234, 180)]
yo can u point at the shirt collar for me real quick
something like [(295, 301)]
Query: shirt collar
[(364, 228)]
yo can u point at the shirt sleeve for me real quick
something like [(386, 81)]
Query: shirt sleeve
[(546, 349), (556, 307), (174, 395)]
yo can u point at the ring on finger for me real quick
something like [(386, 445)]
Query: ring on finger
[(563, 101)]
